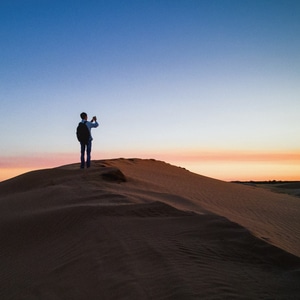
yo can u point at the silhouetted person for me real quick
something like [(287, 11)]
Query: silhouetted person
[(85, 138)]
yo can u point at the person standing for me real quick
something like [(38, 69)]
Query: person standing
[(85, 138)]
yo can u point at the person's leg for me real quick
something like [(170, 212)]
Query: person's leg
[(88, 154), (82, 146)]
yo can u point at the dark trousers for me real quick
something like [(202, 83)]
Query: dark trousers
[(85, 148)]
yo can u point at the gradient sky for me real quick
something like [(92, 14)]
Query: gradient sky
[(212, 86)]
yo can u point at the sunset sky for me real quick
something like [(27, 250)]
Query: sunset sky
[(211, 86)]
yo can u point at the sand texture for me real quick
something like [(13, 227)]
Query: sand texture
[(144, 229)]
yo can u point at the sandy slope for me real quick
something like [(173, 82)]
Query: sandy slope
[(143, 229), (271, 216)]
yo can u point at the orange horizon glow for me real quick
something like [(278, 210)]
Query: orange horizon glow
[(224, 165), (235, 156)]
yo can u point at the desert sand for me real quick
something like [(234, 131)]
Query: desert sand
[(144, 229)]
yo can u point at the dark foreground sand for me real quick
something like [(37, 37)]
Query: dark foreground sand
[(143, 229)]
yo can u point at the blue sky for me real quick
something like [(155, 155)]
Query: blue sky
[(195, 83)]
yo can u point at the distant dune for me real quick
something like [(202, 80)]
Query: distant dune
[(144, 229)]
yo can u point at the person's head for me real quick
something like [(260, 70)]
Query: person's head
[(83, 116)]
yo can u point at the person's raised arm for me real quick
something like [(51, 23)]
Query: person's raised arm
[(96, 123)]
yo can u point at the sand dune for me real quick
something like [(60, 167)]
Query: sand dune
[(144, 229)]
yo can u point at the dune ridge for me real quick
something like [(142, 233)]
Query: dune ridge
[(144, 229)]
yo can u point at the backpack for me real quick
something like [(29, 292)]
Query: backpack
[(83, 133)]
